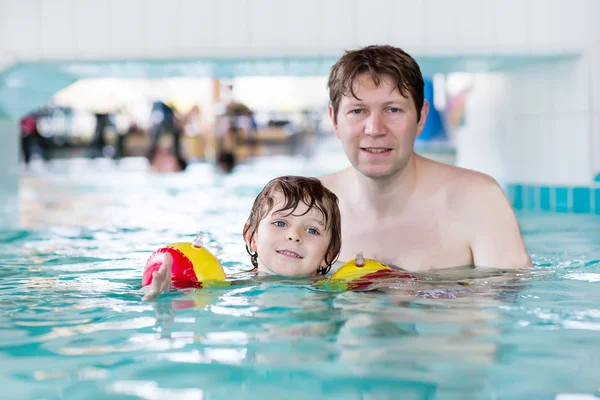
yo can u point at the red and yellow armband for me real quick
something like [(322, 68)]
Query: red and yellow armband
[(194, 266)]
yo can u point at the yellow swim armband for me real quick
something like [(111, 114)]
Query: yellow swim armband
[(358, 274)]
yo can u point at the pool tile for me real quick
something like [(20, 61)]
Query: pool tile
[(529, 197), (545, 198), (582, 200), (562, 199), (515, 194)]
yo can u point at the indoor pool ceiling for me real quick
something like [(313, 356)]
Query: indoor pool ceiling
[(25, 86)]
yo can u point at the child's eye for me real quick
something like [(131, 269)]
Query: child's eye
[(279, 224), (312, 231)]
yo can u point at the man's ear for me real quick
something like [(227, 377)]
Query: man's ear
[(247, 234), (424, 113), (332, 117)]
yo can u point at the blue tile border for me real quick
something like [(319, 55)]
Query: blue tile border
[(545, 198), (562, 199), (530, 197), (515, 194), (582, 200)]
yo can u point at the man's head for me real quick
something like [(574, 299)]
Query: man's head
[(378, 62), (377, 108), (294, 227)]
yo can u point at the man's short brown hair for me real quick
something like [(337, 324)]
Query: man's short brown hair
[(296, 189), (377, 61)]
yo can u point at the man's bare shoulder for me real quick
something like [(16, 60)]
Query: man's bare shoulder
[(474, 187), (460, 184), (473, 195)]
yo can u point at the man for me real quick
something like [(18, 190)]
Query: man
[(399, 207)]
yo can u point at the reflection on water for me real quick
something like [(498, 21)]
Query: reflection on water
[(73, 326)]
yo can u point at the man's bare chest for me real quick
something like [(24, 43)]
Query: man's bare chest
[(416, 243)]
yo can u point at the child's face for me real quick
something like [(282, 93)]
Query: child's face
[(291, 245)]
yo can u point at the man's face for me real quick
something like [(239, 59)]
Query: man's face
[(379, 127)]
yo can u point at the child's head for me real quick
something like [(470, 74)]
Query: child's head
[(294, 228)]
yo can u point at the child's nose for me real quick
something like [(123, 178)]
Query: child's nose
[(293, 237)]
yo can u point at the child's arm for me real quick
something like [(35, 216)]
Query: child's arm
[(161, 280)]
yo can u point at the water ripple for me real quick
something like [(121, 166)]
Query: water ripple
[(72, 324)]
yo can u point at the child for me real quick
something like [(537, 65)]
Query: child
[(293, 230)]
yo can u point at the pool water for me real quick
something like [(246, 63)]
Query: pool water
[(72, 325)]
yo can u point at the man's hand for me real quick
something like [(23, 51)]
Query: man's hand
[(161, 280)]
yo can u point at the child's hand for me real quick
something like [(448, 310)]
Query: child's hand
[(161, 279)]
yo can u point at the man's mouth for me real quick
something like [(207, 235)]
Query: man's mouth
[(376, 150), (289, 253)]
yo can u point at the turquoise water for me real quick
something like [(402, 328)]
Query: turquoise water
[(72, 325)]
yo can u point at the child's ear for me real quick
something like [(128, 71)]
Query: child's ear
[(328, 256), (247, 234)]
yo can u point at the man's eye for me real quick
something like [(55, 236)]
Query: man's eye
[(280, 224), (395, 110), (358, 111), (312, 231)]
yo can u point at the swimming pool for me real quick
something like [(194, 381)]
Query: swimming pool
[(73, 326)]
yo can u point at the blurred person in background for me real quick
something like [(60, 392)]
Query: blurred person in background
[(227, 147), (164, 155), (123, 126), (164, 158), (31, 140), (231, 114), (103, 122), (163, 120)]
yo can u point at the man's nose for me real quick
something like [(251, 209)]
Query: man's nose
[(375, 125)]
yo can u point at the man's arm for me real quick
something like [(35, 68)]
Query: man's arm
[(495, 236)]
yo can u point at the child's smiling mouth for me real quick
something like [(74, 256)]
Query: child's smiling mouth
[(288, 253)]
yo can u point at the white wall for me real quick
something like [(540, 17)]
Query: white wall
[(481, 142), (550, 128), (35, 30), (9, 174), (538, 124)]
